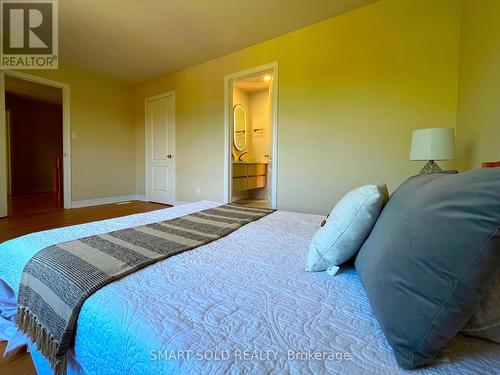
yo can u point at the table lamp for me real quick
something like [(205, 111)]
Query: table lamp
[(433, 144)]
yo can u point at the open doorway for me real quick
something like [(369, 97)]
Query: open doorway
[(34, 143), (251, 137)]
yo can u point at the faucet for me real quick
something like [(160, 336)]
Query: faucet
[(241, 155)]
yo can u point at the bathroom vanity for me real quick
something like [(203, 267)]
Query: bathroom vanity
[(248, 175)]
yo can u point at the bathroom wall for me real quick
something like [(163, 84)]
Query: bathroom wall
[(241, 97), (259, 119), (257, 105), (259, 134)]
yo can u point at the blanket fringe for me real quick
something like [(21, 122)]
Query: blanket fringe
[(28, 323)]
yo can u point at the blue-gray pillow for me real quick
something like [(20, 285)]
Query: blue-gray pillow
[(485, 321), (429, 258)]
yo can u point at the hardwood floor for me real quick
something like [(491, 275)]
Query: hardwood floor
[(23, 223), (32, 203), (19, 364)]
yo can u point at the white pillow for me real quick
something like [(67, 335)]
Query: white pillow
[(346, 228)]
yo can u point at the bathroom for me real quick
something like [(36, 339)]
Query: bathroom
[(251, 127)]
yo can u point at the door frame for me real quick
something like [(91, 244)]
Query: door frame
[(146, 136), (8, 136), (66, 119), (228, 106)]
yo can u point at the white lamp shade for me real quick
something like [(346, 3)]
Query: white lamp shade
[(433, 144)]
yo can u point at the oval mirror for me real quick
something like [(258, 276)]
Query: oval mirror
[(240, 127)]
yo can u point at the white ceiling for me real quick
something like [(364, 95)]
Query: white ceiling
[(135, 40), (31, 90)]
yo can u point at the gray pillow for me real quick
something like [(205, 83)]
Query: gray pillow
[(485, 321), (346, 228), (427, 261)]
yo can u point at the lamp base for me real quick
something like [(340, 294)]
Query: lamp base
[(430, 167)]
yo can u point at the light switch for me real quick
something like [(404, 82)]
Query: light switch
[(73, 135)]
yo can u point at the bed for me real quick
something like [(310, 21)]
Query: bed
[(241, 304)]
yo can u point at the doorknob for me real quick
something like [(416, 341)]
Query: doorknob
[(169, 156)]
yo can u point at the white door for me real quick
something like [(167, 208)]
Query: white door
[(160, 144)]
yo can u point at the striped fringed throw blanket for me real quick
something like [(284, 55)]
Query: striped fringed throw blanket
[(58, 279)]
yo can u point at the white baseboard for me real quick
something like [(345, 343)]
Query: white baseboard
[(108, 200)]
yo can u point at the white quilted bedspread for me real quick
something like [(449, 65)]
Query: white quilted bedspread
[(242, 304)]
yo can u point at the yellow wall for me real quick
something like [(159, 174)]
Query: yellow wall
[(103, 155), (478, 128), (351, 90)]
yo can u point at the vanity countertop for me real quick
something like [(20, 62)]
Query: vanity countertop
[(249, 162)]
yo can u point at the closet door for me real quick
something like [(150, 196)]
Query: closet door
[(160, 143)]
